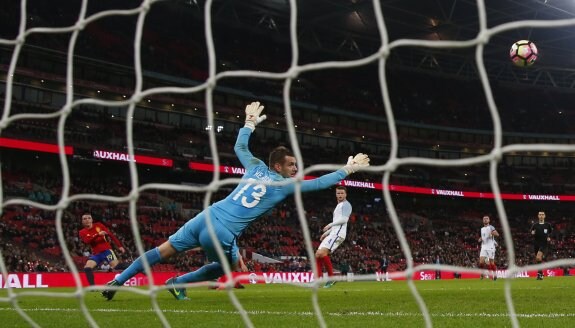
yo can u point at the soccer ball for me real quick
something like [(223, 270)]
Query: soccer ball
[(523, 53)]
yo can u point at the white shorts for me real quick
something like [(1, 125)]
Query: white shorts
[(488, 253), (331, 242)]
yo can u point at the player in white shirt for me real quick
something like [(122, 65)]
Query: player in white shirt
[(334, 234), (488, 243)]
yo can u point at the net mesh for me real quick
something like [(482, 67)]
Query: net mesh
[(295, 70)]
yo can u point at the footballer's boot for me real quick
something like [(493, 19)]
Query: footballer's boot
[(179, 293), (108, 294), (329, 284)]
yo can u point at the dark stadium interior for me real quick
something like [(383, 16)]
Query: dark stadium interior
[(438, 103)]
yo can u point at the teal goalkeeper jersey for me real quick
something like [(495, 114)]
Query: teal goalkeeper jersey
[(254, 197)]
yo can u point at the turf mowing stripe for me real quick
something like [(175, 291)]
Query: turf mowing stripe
[(336, 314)]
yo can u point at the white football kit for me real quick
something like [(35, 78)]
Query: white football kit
[(338, 227), (487, 242)]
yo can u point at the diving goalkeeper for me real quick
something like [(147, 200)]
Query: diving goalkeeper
[(252, 198)]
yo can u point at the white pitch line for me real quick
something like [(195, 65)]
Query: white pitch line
[(308, 314)]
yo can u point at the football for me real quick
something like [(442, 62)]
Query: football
[(523, 53)]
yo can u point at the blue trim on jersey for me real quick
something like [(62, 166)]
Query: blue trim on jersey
[(339, 229), (346, 209)]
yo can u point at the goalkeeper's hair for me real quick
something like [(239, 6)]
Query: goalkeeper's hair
[(341, 188), (278, 155)]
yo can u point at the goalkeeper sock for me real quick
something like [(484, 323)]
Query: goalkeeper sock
[(328, 265), (89, 276), (207, 272), (153, 257)]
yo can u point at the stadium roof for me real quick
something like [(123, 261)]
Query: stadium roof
[(350, 28), (347, 29)]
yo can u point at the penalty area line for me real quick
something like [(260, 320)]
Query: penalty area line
[(308, 314)]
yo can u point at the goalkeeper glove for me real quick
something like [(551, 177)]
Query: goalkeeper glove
[(355, 163), (253, 117)]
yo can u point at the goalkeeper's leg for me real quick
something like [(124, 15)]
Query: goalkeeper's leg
[(153, 256), (207, 272), (213, 270)]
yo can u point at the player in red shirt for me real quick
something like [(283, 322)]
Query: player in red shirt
[(96, 235)]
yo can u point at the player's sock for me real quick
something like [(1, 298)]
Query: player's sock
[(319, 263), (89, 276), (120, 266), (328, 265), (493, 269), (207, 272), (153, 257)]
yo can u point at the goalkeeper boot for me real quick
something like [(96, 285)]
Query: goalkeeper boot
[(179, 293), (108, 294)]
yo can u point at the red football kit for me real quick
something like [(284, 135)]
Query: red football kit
[(98, 243)]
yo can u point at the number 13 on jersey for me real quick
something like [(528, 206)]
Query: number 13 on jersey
[(257, 191)]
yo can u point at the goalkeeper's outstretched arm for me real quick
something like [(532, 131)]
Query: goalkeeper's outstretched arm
[(241, 149), (253, 117), (354, 163)]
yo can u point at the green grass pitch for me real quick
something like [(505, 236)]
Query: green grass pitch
[(451, 303)]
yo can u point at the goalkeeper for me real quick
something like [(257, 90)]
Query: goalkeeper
[(252, 198)]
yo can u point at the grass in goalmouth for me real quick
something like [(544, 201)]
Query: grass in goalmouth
[(451, 303)]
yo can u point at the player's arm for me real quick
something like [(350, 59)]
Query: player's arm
[(241, 148), (342, 218), (532, 229), (242, 264), (354, 163), (495, 233), (339, 221), (116, 241)]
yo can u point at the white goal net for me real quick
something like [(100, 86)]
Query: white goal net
[(204, 94)]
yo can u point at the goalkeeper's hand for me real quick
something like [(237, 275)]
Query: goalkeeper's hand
[(253, 117), (355, 163)]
